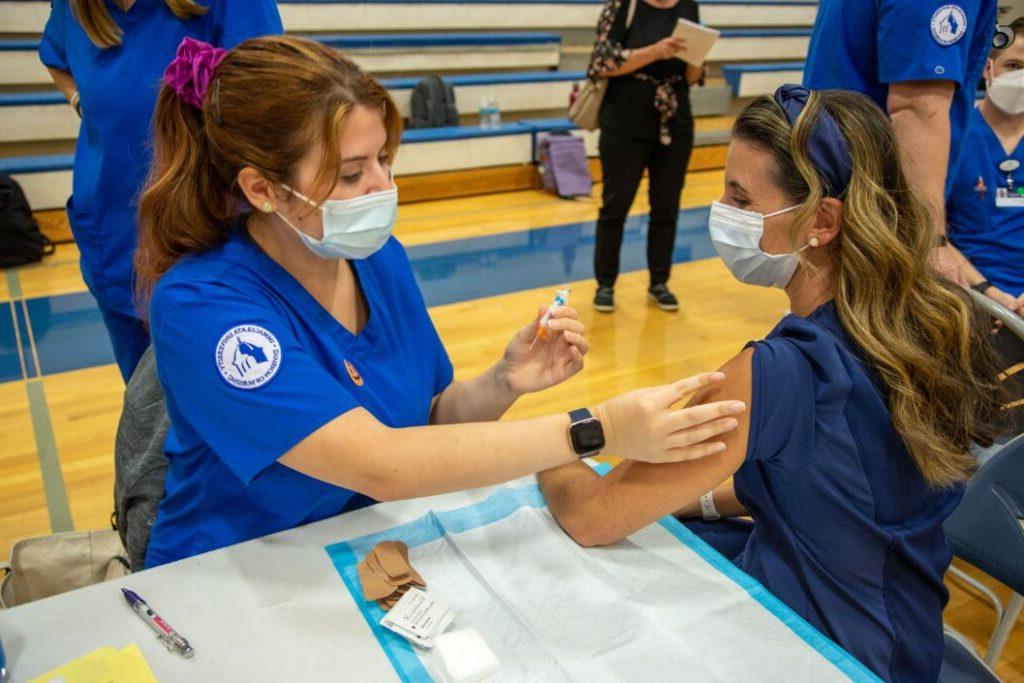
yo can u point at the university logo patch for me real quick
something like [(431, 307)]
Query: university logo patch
[(949, 24), (248, 356)]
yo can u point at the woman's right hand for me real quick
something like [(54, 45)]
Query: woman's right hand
[(666, 48), (644, 425)]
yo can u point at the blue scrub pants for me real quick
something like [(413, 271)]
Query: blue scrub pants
[(727, 535), (128, 336)]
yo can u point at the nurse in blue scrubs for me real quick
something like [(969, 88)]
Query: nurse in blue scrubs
[(920, 61), (107, 57), (302, 373), (985, 210), (864, 401)]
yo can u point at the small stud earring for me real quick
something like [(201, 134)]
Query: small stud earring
[(813, 242), (267, 207)]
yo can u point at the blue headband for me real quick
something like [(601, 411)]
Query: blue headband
[(826, 145)]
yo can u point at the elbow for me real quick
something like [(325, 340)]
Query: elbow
[(588, 531)]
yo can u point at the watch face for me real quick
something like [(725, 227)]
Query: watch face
[(587, 437)]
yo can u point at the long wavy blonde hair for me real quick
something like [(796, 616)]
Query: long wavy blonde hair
[(919, 332), (103, 31)]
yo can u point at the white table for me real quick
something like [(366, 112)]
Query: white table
[(270, 609)]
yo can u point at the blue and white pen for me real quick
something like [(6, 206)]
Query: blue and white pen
[(167, 635)]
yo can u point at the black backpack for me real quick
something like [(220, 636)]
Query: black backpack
[(20, 239), (433, 104)]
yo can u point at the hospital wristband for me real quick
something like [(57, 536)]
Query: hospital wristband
[(707, 507), (76, 103)]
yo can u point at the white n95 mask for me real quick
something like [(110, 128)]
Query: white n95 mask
[(1007, 91), (354, 228), (736, 235)]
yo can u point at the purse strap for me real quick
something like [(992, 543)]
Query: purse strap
[(630, 13)]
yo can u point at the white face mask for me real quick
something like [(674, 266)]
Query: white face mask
[(736, 235), (1007, 91), (354, 228)]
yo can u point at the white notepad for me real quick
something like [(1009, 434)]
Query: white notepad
[(699, 40)]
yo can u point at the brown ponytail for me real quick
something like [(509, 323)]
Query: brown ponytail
[(272, 100)]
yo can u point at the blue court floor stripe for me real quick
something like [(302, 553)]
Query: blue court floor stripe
[(11, 360), (69, 332)]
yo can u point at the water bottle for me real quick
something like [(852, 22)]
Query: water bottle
[(485, 112), (490, 115), (495, 114)]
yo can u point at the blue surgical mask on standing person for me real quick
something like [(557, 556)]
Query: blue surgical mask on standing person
[(354, 228), (737, 234)]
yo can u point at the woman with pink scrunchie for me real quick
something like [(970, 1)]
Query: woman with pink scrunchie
[(108, 57)]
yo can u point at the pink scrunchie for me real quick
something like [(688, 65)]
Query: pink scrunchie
[(192, 70)]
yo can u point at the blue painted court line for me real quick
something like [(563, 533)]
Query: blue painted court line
[(69, 332), (462, 270), (10, 351)]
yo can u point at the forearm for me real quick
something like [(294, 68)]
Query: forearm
[(971, 274), (637, 59), (355, 451), (694, 74), (920, 118), (603, 510), (481, 399), (64, 81)]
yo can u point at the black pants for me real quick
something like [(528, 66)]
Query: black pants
[(623, 161)]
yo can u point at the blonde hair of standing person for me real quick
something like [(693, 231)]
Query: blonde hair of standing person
[(103, 31)]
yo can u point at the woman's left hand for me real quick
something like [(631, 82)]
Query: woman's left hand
[(530, 365)]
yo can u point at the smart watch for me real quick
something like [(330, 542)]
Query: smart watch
[(585, 433), (981, 287)]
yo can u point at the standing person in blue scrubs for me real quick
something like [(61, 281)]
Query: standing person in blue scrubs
[(920, 61), (302, 374), (985, 210), (107, 57), (864, 402)]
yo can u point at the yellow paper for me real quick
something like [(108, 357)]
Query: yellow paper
[(105, 665)]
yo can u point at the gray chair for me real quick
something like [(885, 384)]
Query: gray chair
[(987, 530), (961, 665)]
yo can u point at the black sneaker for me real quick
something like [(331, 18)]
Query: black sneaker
[(665, 299), (604, 300)]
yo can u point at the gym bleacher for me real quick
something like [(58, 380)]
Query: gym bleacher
[(527, 54)]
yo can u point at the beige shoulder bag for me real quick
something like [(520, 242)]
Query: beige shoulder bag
[(584, 111)]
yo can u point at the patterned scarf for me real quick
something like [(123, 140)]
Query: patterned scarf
[(608, 56)]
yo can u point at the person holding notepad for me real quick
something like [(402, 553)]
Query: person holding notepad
[(646, 124)]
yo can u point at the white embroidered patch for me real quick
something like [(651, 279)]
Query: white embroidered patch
[(949, 24), (248, 356)]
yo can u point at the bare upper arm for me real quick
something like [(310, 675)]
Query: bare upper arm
[(920, 96), (636, 494)]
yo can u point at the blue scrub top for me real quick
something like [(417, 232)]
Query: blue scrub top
[(118, 88), (864, 45), (846, 531), (251, 364), (991, 237)]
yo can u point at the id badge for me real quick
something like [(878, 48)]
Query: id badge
[(1008, 200)]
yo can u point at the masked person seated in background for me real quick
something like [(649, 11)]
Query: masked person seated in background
[(864, 402), (986, 208)]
